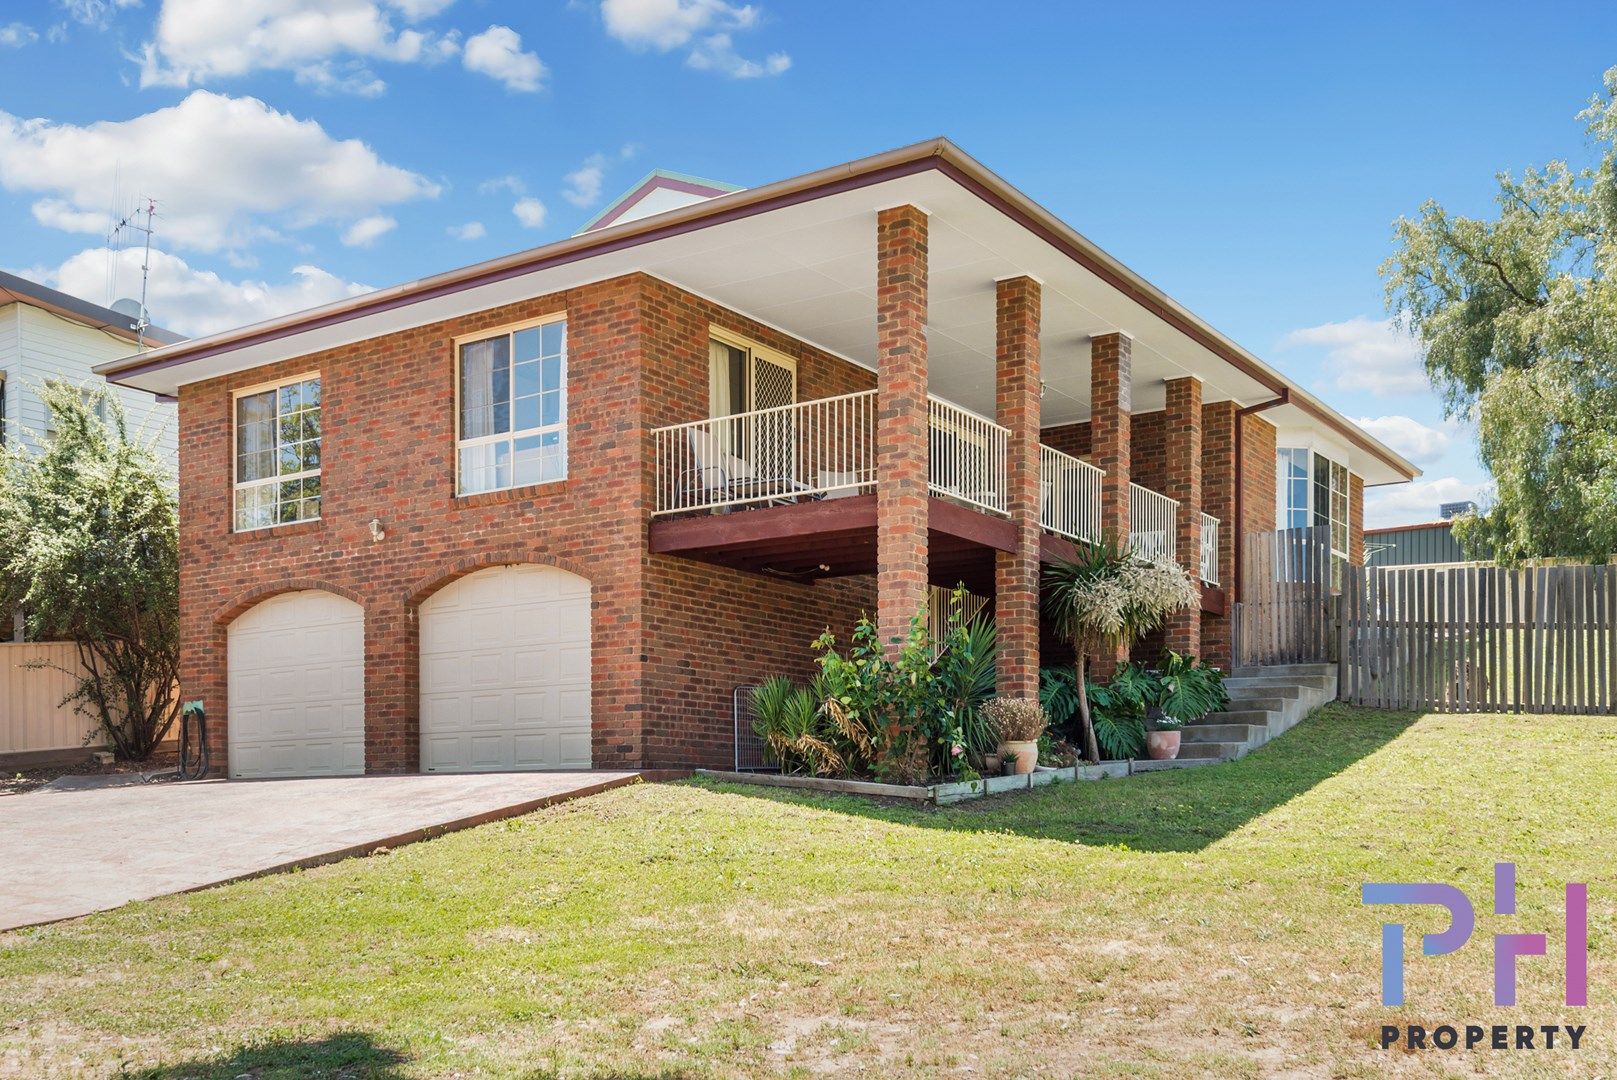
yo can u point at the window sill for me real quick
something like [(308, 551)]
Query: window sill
[(275, 532), (508, 495)]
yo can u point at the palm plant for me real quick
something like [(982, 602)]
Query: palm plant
[(789, 720), (1107, 598)]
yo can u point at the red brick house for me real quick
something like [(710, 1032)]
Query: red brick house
[(550, 510)]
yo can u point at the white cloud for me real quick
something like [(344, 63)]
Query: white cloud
[(1365, 354), (367, 230), (497, 53), (192, 301), (583, 185), (95, 13), (716, 52), (472, 230), (1418, 442), (503, 183), (1411, 504), (57, 33), (529, 211), (324, 43), (703, 26), (225, 171), (16, 35)]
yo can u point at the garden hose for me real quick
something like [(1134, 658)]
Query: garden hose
[(193, 741)]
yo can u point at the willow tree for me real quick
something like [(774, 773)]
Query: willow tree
[(1516, 315), (89, 548)]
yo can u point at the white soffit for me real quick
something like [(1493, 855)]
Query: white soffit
[(809, 269)]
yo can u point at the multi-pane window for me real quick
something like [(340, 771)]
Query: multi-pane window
[(1291, 477), (511, 430), (278, 455), (1312, 490)]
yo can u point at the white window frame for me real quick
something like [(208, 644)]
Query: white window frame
[(237, 484), (560, 426), (1339, 556)]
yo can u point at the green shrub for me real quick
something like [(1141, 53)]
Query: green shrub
[(1190, 688)]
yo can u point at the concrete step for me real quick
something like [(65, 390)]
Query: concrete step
[(1244, 689), (1221, 751), (1266, 703), (1220, 733), (1328, 670), (1319, 683), (1256, 717)]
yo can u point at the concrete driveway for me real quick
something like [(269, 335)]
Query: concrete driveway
[(68, 853)]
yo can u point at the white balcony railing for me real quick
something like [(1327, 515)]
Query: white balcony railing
[(1209, 552), (1151, 522), (823, 448), (1069, 495), (820, 449), (968, 454)]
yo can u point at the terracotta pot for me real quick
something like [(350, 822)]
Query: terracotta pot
[(1162, 745), (1025, 753), (993, 764)]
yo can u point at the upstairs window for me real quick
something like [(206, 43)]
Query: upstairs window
[(511, 422), (278, 454)]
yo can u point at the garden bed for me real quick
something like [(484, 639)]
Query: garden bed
[(937, 794)]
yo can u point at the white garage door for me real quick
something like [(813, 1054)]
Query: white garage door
[(505, 672), (297, 687)]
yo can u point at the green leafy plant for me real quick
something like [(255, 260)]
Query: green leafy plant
[(1118, 715), (1058, 693), (790, 721), (965, 671), (89, 548), (1189, 689), (1105, 599), (896, 705)]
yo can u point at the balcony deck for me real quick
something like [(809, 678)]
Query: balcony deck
[(790, 491), (807, 541)]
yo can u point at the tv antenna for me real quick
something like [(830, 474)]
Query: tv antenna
[(133, 222)]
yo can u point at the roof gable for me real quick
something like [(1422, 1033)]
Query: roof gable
[(657, 192)]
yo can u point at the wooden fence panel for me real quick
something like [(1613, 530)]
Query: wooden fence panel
[(32, 716), (1286, 614), (1480, 638)]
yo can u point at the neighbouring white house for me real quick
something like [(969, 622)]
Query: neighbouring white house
[(46, 334)]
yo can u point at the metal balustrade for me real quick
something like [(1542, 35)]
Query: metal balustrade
[(1069, 495), (1151, 522), (968, 455), (820, 449), (1209, 552)]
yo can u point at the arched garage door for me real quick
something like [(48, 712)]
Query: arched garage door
[(297, 687), (505, 672)]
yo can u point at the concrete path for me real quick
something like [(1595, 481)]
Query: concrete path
[(68, 853)]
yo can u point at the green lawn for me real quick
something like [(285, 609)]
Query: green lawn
[(1202, 922)]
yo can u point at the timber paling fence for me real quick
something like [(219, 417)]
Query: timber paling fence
[(1287, 611), (1479, 638)]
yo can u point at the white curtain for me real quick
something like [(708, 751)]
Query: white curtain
[(477, 390)]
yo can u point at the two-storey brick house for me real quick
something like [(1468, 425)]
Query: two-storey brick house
[(552, 509)]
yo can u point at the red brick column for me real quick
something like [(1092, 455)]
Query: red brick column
[(1218, 499), (901, 419), (1016, 573), (1111, 401), (1183, 436)]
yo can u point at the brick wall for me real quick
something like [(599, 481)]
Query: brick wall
[(668, 637), (709, 629), (1218, 499)]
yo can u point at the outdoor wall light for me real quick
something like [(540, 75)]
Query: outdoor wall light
[(377, 532)]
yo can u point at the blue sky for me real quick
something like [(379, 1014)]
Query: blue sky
[(1248, 161)]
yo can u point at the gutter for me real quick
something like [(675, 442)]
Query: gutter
[(1240, 500)]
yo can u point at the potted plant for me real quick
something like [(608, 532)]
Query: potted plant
[(1019, 722), (1162, 735)]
